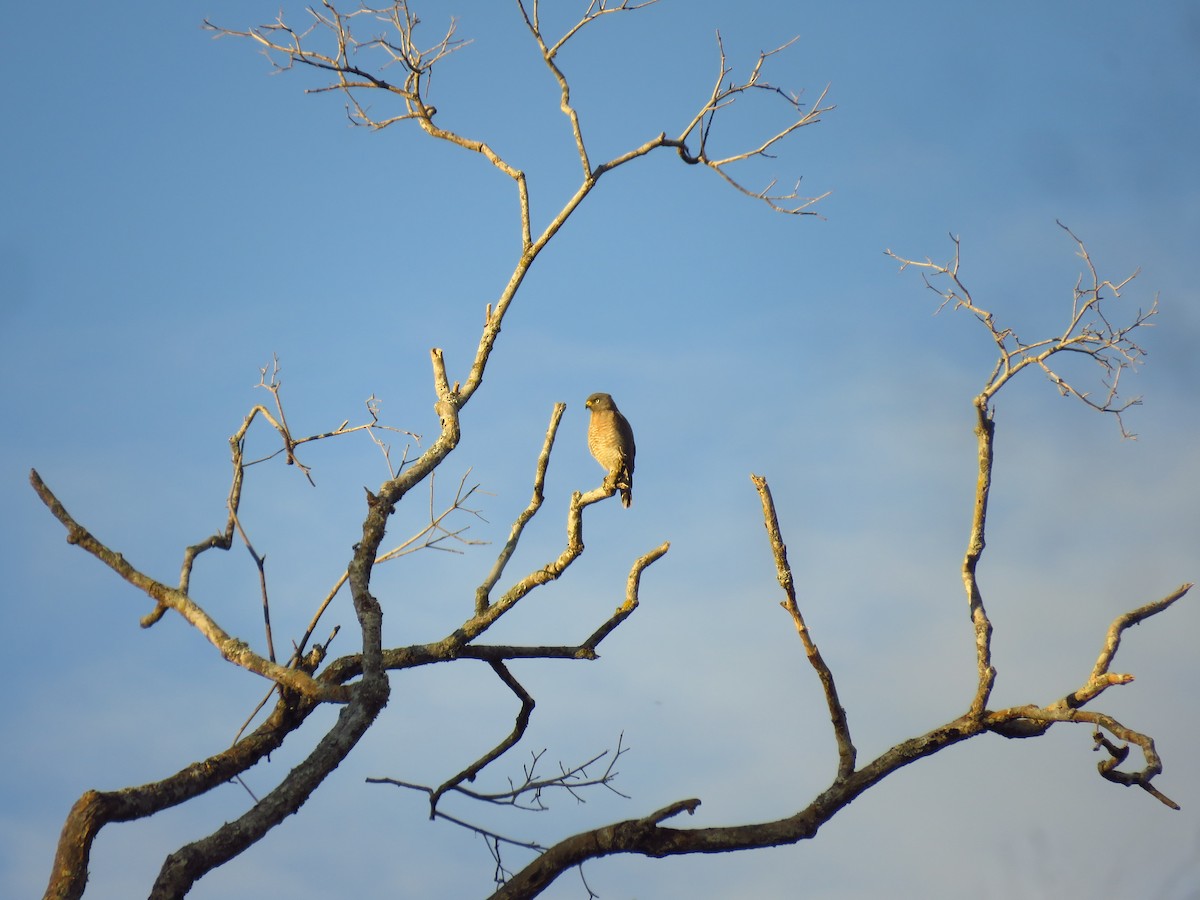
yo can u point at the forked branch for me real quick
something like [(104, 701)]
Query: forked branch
[(1031, 721), (533, 21), (231, 648), (488, 611), (527, 794), (1089, 331), (519, 726), (725, 92)]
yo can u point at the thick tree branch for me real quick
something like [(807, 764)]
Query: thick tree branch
[(646, 836), (184, 867), (187, 865), (95, 809)]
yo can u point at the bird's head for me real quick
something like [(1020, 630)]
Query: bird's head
[(600, 401)]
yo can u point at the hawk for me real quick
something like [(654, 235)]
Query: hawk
[(611, 441)]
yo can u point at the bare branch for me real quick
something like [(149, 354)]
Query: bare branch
[(429, 537), (527, 794), (985, 432), (1088, 332), (286, 48), (1032, 721), (260, 563), (191, 862), (1117, 755), (232, 649), (837, 714), (632, 586), (95, 809), (1112, 640), (224, 539), (519, 726), (646, 836), (549, 53), (551, 571), (284, 43), (483, 592), (724, 93)]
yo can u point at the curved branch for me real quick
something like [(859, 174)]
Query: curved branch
[(1112, 638), (1032, 721), (632, 588), (520, 724), (646, 836)]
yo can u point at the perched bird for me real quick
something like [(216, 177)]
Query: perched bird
[(611, 441)]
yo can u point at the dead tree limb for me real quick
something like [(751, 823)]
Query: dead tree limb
[(1089, 331)]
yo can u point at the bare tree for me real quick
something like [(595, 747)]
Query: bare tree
[(359, 62)]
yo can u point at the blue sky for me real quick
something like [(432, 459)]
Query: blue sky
[(173, 216)]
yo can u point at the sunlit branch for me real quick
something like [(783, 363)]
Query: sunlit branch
[(837, 714), (483, 592), (632, 590), (1089, 331), (1032, 721), (724, 92), (232, 649), (985, 432), (1112, 638)]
